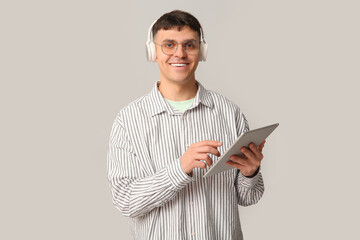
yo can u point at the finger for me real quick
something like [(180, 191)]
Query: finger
[(208, 149), (204, 157), (209, 160), (255, 151), (261, 146), (239, 160), (207, 143), (200, 164), (249, 154), (235, 165)]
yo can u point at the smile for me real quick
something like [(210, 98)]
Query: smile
[(178, 64)]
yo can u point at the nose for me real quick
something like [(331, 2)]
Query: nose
[(180, 52)]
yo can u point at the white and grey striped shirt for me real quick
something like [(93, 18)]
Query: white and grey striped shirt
[(148, 184)]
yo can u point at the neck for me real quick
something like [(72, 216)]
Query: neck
[(178, 91)]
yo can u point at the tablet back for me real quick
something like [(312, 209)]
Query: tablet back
[(256, 136)]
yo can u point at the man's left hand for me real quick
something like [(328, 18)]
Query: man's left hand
[(250, 162)]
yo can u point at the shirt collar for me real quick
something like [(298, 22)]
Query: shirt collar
[(157, 103)]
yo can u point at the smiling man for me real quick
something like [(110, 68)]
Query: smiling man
[(162, 144)]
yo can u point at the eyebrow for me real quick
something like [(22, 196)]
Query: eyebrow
[(167, 40)]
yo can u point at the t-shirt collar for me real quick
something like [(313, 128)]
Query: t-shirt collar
[(158, 104)]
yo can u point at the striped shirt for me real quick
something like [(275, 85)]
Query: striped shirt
[(147, 181)]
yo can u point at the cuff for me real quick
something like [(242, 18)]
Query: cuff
[(176, 174), (246, 181)]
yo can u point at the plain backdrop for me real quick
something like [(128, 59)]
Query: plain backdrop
[(68, 67)]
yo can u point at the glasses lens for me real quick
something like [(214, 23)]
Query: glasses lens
[(169, 47), (191, 47)]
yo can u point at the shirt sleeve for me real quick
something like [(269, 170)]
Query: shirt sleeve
[(249, 190), (133, 193)]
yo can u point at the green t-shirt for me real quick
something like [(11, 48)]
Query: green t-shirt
[(181, 105)]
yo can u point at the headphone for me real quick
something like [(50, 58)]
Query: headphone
[(151, 49)]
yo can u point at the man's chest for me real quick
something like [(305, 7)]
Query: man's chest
[(164, 138)]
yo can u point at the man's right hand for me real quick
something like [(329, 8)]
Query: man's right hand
[(199, 151)]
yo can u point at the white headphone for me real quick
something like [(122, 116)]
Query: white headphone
[(151, 49)]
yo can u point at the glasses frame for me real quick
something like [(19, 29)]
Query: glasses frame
[(182, 45)]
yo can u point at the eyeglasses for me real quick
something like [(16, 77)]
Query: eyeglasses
[(169, 47)]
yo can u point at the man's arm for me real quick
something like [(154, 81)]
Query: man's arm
[(135, 194), (249, 188)]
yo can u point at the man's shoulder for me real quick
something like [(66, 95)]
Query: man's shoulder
[(220, 101), (134, 108), (135, 104)]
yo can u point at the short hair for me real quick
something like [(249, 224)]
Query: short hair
[(179, 19)]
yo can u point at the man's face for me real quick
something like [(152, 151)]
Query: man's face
[(168, 71)]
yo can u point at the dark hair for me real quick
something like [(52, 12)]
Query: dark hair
[(176, 18)]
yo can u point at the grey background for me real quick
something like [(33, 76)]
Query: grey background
[(68, 67)]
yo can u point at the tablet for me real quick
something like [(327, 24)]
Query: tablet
[(256, 136)]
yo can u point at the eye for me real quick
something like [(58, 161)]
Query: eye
[(190, 45), (169, 44)]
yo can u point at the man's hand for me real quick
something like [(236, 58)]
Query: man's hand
[(248, 164), (199, 151)]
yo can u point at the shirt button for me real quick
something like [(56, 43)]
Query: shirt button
[(186, 145), (184, 117), (191, 203), (193, 233)]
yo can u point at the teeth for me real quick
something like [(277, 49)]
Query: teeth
[(178, 64)]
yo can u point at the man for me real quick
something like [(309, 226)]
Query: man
[(162, 144)]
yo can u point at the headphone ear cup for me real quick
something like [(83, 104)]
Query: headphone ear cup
[(151, 51), (147, 48), (203, 51)]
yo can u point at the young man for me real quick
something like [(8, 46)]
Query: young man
[(162, 143)]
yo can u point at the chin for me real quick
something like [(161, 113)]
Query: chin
[(181, 80)]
